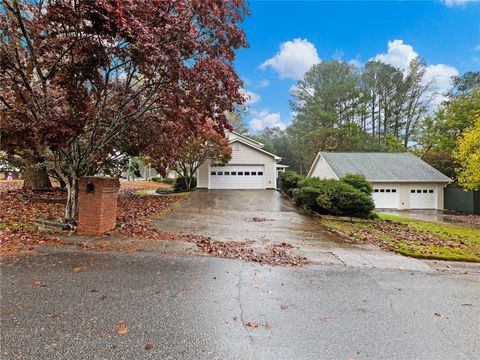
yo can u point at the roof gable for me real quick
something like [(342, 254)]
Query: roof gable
[(401, 167), (232, 135), (277, 158)]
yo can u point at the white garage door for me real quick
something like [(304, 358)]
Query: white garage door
[(423, 197), (237, 177), (386, 196)]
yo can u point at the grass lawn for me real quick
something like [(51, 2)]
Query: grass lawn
[(413, 237)]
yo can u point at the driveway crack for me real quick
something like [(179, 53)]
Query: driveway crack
[(239, 294)]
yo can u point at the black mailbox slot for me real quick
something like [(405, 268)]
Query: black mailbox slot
[(90, 188)]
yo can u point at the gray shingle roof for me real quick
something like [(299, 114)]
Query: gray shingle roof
[(402, 167)]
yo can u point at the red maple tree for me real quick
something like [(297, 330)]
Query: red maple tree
[(79, 78)]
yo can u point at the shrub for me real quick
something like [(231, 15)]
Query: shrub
[(306, 197), (289, 181), (181, 186), (167, 181), (359, 182), (339, 198)]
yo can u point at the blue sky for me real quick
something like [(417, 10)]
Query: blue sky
[(287, 37)]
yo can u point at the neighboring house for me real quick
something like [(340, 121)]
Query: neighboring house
[(399, 180), (250, 167)]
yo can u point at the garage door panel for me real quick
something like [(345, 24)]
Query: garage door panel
[(237, 177), (423, 197), (386, 196)]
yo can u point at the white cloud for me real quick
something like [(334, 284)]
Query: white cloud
[(399, 54), (441, 77), (250, 97), (263, 119), (355, 62), (263, 83), (294, 59), (452, 3)]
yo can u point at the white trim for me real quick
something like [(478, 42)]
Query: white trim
[(259, 144)]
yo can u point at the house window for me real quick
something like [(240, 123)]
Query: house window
[(394, 190), (260, 173), (227, 172), (240, 173), (375, 190), (419, 191), (430, 191), (382, 190), (213, 173), (254, 173), (247, 172), (387, 190), (425, 191), (220, 173), (233, 173), (412, 191)]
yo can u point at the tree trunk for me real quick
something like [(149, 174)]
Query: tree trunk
[(71, 209), (35, 176)]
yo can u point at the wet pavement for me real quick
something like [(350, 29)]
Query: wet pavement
[(192, 307), (267, 216)]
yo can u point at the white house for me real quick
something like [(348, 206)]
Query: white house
[(251, 167), (399, 180)]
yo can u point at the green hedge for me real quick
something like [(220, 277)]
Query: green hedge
[(349, 197), (359, 182), (167, 181), (289, 181)]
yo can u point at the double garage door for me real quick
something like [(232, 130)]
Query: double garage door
[(387, 196), (237, 177)]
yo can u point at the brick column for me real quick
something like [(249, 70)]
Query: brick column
[(97, 205)]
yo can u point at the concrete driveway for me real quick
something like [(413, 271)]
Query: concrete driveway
[(267, 216)]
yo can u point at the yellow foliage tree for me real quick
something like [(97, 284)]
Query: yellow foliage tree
[(467, 156)]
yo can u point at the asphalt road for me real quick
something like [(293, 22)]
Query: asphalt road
[(198, 307)]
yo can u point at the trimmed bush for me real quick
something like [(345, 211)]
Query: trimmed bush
[(359, 182), (180, 184), (289, 181), (306, 197), (341, 199), (167, 181)]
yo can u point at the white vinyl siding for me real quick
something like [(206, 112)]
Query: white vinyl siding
[(322, 170)]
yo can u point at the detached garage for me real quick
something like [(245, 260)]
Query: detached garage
[(250, 167), (399, 180)]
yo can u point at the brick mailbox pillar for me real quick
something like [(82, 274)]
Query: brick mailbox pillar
[(97, 204)]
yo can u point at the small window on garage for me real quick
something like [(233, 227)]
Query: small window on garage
[(375, 190), (394, 190), (382, 190), (260, 173), (419, 191), (240, 173), (387, 190), (425, 191), (220, 173), (233, 173), (254, 173), (213, 173), (227, 172), (247, 172), (412, 191), (430, 191)]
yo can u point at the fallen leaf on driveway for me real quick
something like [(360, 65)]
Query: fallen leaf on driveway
[(148, 346), (252, 325), (443, 315), (284, 306), (37, 284), (122, 329), (77, 269)]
